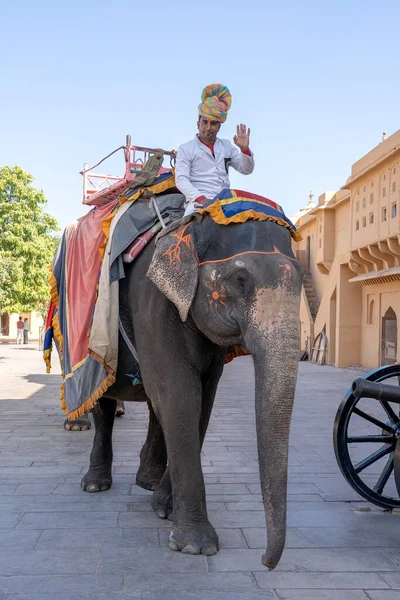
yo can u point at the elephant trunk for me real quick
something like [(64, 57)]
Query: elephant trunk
[(273, 338)]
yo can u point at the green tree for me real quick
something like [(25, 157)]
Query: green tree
[(28, 239)]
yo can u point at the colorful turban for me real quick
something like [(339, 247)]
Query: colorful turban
[(216, 100)]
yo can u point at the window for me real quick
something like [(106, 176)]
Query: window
[(372, 184), (393, 186), (357, 205), (383, 192), (320, 243), (371, 198), (394, 170), (384, 214), (384, 177), (364, 188), (357, 225), (364, 222), (394, 210), (371, 218), (364, 202)]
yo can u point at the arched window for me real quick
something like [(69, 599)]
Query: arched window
[(390, 314), (371, 312)]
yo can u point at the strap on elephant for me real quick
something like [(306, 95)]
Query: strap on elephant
[(135, 377)]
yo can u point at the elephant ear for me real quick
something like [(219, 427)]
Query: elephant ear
[(174, 267)]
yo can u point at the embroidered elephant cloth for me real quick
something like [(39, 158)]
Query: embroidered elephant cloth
[(237, 206)]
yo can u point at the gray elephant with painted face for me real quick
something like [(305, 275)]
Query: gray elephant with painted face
[(203, 289)]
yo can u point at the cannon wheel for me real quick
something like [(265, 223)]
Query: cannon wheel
[(387, 436)]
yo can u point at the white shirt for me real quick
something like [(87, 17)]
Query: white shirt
[(199, 173)]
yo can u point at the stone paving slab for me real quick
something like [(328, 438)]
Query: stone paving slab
[(58, 543)]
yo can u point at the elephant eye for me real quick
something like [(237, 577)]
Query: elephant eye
[(237, 281)]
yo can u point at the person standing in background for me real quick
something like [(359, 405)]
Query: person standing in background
[(26, 330), (20, 330)]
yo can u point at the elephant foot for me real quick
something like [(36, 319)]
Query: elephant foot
[(81, 424), (97, 480), (149, 478), (200, 541), (147, 482), (161, 503), (120, 410)]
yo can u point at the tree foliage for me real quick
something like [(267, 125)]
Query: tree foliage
[(28, 239)]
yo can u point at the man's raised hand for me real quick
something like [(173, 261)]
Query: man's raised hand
[(242, 137)]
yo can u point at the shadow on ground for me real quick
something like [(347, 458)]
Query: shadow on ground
[(43, 378)]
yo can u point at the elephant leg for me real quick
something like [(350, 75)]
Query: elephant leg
[(153, 456), (191, 533), (162, 497), (81, 424), (99, 478)]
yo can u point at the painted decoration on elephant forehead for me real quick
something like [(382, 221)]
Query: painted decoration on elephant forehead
[(236, 206), (215, 295)]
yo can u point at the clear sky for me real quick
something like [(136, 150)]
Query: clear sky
[(317, 81)]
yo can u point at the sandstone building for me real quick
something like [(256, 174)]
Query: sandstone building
[(351, 256)]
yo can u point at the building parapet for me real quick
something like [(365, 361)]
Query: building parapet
[(378, 155)]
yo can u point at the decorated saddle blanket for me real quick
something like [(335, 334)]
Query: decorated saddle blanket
[(237, 206), (83, 313)]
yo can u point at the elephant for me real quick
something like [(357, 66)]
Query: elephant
[(198, 290)]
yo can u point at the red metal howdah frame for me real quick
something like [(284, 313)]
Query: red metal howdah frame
[(99, 189)]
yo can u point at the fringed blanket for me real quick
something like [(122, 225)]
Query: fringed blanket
[(74, 278), (84, 308)]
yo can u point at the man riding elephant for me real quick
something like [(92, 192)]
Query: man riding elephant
[(202, 170), (202, 164)]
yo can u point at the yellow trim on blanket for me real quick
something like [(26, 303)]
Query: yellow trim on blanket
[(92, 401), (57, 332), (55, 322), (105, 225), (236, 198), (100, 360), (47, 359), (217, 214), (157, 188), (74, 368), (53, 287), (62, 400)]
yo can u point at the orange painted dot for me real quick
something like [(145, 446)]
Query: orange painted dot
[(287, 267), (215, 295)]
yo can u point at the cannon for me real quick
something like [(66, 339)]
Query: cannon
[(366, 436)]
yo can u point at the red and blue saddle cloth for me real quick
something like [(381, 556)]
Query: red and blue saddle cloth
[(237, 206), (74, 277)]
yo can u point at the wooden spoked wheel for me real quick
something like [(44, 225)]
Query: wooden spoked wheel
[(366, 439)]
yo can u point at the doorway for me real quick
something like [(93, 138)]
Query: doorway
[(389, 338), (4, 325)]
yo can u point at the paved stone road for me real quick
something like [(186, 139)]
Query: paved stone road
[(57, 542)]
